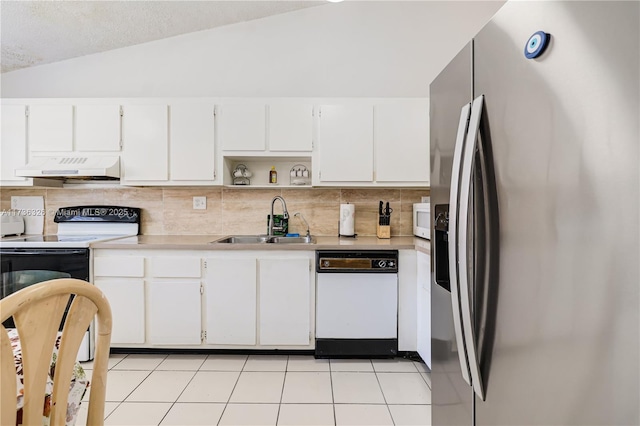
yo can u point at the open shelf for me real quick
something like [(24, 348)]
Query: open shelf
[(259, 171)]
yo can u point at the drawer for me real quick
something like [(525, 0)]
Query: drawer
[(175, 267), (118, 266)]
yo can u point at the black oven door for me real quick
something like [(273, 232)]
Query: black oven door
[(24, 267)]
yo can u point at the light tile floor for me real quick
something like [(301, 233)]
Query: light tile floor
[(263, 390)]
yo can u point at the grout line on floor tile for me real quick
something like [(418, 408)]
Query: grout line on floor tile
[(424, 377), (112, 411), (134, 389), (333, 399), (119, 361), (232, 390), (163, 360), (284, 381), (384, 397), (244, 364), (178, 397), (370, 403)]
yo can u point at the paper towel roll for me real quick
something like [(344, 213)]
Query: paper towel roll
[(347, 220)]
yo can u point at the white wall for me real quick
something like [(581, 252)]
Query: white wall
[(350, 49)]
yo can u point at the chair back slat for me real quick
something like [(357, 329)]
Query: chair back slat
[(79, 317), (37, 312), (8, 387), (38, 329)]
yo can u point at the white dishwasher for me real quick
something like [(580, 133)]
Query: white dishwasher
[(356, 304)]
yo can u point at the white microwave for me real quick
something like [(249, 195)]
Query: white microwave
[(422, 220)]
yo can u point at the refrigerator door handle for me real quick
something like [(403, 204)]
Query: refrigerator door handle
[(453, 240), (465, 188)]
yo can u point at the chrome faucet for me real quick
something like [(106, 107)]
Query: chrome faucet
[(285, 213), (305, 221)]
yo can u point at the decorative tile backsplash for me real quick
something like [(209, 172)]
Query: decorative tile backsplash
[(169, 210)]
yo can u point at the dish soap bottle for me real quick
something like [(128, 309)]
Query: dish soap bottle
[(273, 175)]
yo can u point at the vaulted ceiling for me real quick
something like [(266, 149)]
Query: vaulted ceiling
[(41, 32)]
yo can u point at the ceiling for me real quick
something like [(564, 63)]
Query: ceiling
[(40, 32)]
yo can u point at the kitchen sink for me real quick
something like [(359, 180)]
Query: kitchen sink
[(264, 239), (243, 239), (292, 240)]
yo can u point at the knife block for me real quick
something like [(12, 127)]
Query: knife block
[(383, 231)]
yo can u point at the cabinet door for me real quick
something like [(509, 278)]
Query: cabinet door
[(145, 142), (230, 300), (13, 142), (192, 142), (51, 128), (175, 314), (97, 128), (424, 307), (126, 297), (407, 306), (284, 302), (345, 143), (290, 127), (401, 132), (242, 127)]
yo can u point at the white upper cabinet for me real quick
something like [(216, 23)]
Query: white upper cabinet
[(192, 137), (169, 144), (51, 128), (290, 127), (401, 139), (345, 139), (13, 143), (241, 127), (373, 143), (97, 128), (145, 143)]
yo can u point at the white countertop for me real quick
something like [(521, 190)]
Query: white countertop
[(204, 242)]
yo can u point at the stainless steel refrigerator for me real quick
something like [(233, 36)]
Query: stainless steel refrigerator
[(534, 193)]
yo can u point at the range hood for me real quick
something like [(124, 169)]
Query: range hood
[(85, 168)]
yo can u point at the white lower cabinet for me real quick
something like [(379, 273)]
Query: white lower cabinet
[(174, 299), (174, 312), (230, 301), (126, 297), (121, 278), (259, 299), (209, 299), (285, 311), (407, 306), (424, 306), (237, 299)]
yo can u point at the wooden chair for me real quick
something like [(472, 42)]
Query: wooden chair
[(37, 311)]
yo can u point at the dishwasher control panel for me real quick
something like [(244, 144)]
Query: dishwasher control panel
[(370, 261)]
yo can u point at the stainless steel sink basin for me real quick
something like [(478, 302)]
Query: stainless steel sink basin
[(292, 240), (243, 239), (264, 239)]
